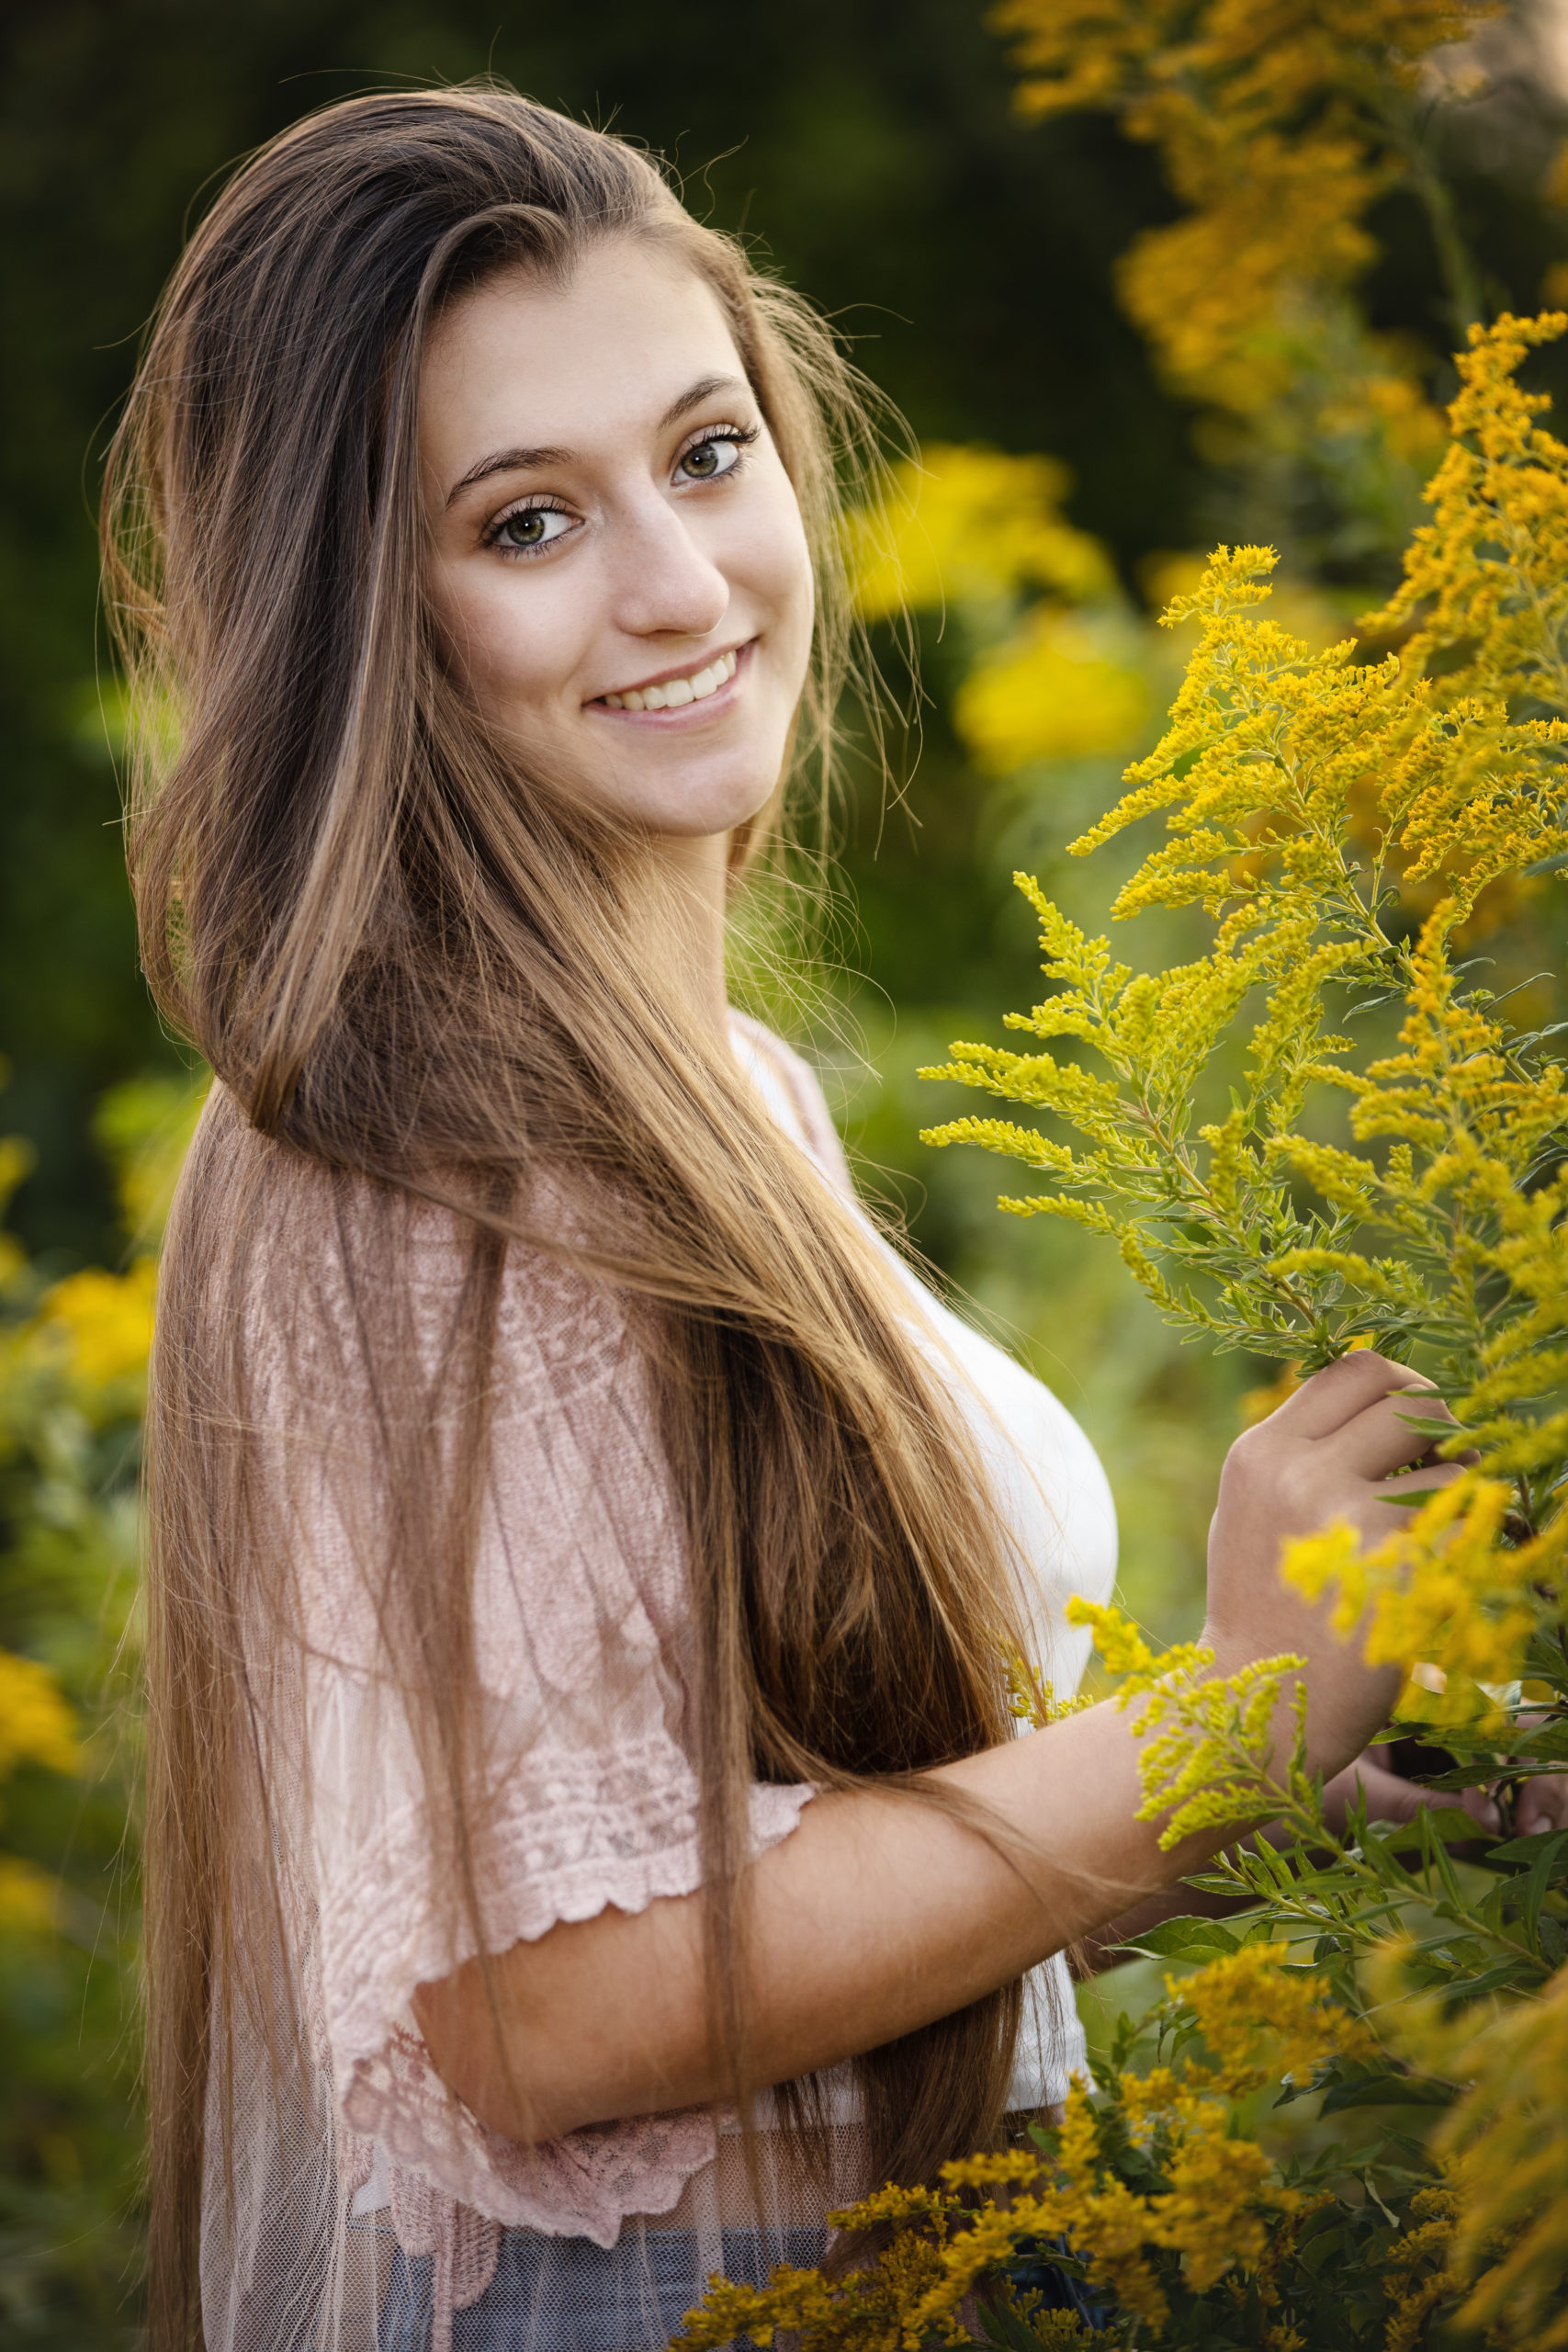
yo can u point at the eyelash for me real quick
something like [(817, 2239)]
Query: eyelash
[(740, 437)]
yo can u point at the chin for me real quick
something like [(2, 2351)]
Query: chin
[(683, 814)]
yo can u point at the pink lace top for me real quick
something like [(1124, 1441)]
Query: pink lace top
[(580, 1638)]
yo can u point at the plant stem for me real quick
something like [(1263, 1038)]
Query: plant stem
[(1461, 277)]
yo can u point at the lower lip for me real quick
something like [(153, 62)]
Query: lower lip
[(689, 714)]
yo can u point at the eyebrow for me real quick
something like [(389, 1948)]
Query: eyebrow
[(508, 461)]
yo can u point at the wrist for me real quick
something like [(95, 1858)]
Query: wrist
[(1347, 1701)]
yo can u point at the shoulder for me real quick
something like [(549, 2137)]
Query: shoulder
[(319, 1272), (793, 1093)]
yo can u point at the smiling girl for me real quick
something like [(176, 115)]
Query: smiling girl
[(585, 1835)]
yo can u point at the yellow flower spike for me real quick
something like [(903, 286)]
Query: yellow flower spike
[(1488, 573), (1246, 2001), (1208, 1759)]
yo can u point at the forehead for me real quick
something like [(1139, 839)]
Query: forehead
[(525, 358)]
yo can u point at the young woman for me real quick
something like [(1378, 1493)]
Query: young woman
[(586, 1837)]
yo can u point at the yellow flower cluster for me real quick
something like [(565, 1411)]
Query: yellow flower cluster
[(37, 1726), (1215, 2212), (970, 525), (16, 1163), (1051, 692), (1210, 1762), (870, 2307), (1420, 2259), (1279, 123), (1487, 579), (29, 1900), (1501, 2220), (1031, 1699), (1222, 2207), (1254, 2003)]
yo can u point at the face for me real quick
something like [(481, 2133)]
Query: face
[(618, 559)]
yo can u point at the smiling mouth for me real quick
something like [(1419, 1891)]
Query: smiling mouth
[(675, 693)]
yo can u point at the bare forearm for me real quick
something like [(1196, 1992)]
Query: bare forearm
[(878, 1915)]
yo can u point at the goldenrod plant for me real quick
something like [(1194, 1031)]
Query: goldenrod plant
[(1344, 825), (1304, 796), (1280, 125), (1178, 2225)]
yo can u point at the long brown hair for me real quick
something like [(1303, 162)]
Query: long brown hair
[(414, 969)]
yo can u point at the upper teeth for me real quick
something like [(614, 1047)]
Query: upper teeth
[(675, 692)]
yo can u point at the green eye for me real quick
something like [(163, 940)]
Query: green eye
[(711, 459), (530, 527)]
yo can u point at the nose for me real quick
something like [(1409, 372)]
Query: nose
[(666, 584)]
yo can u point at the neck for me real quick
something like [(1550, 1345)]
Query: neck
[(689, 884)]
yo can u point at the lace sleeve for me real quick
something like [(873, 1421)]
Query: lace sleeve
[(583, 1726)]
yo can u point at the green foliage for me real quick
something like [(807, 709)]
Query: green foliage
[(72, 1358), (1303, 794)]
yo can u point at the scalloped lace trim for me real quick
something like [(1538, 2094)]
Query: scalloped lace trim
[(566, 1849), (455, 2185), (583, 2185)]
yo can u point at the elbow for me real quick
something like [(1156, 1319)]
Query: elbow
[(594, 2021), (464, 2025)]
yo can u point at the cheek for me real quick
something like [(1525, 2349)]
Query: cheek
[(773, 562), (511, 658)]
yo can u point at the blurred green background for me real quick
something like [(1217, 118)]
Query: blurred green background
[(873, 153)]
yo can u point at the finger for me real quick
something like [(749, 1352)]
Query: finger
[(1340, 1391), (1388, 1796), (1542, 1803), (1405, 1489), (1484, 1809), (1391, 1797), (1380, 1439)]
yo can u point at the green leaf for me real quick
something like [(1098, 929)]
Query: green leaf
[(1542, 1849), (1174, 1939), (1387, 2090)]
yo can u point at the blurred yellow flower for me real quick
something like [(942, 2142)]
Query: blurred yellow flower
[(29, 1899), (1279, 123), (1504, 2144), (102, 1322), (971, 524), (36, 1725), (1208, 290), (1050, 693), (16, 1163)]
